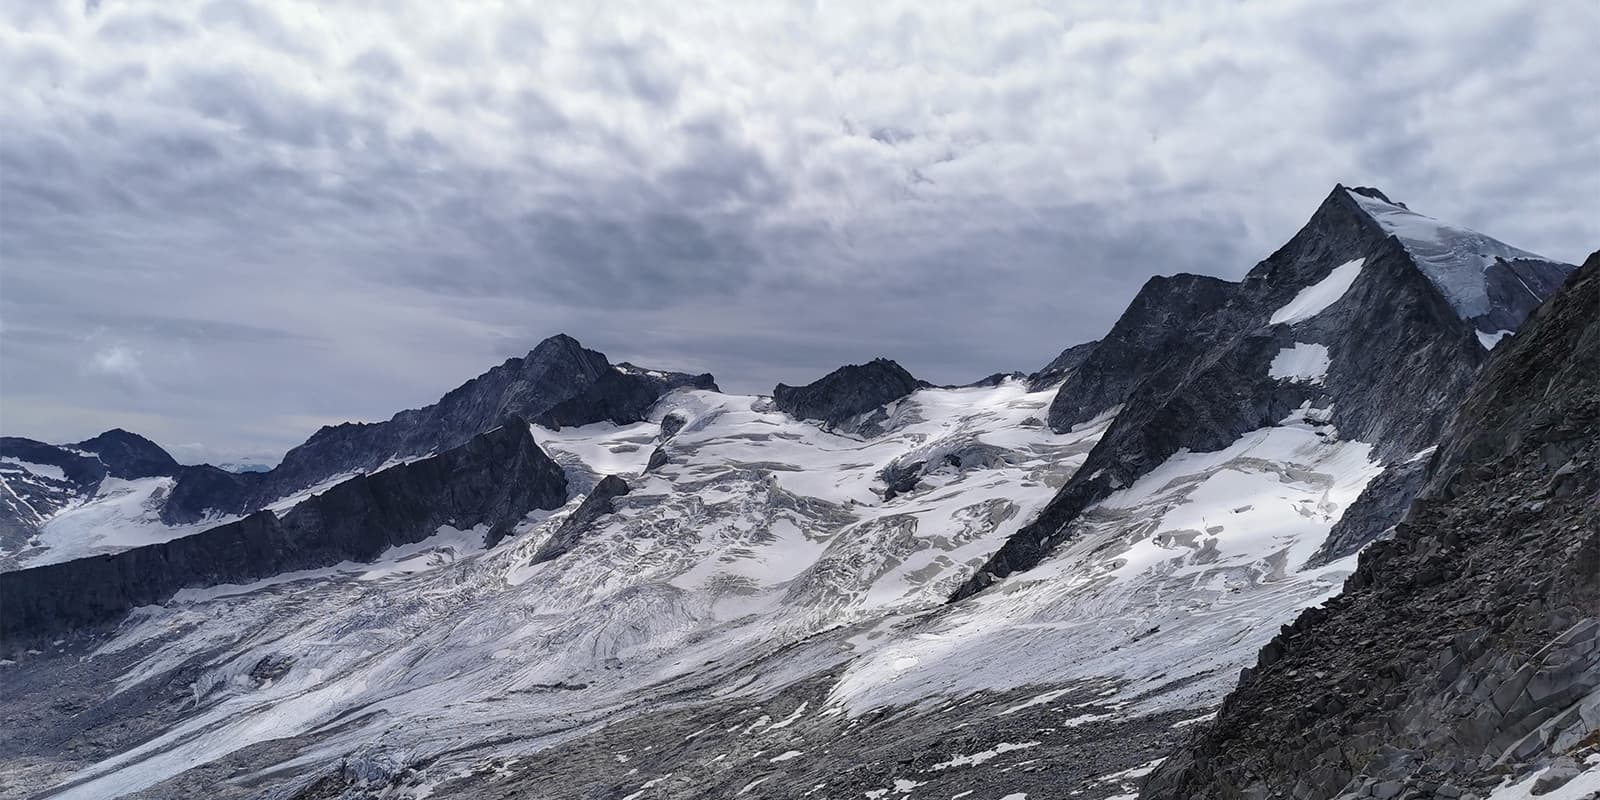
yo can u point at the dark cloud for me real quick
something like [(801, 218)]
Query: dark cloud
[(224, 223)]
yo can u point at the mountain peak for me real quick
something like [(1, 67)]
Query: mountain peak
[(1487, 282), (129, 455), (847, 392)]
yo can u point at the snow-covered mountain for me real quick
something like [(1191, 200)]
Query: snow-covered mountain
[(720, 595), (120, 490)]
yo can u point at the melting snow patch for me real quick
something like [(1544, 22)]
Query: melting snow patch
[(1489, 340), (1582, 786), (1304, 362), (1182, 723), (1136, 772), (1316, 298), (980, 757), (786, 756), (645, 786), (1047, 697), (751, 785), (789, 720)]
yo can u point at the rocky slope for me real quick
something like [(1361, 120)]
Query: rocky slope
[(1463, 657), (492, 480)]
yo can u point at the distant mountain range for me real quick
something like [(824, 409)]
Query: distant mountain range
[(1328, 531)]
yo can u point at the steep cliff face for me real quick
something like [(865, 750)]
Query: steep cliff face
[(1464, 654), (1156, 330), (1340, 326), (493, 479)]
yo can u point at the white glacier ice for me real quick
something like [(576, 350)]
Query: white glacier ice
[(1453, 258)]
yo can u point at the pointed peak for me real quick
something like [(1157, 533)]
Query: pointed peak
[(1488, 282), (560, 341), (1370, 192)]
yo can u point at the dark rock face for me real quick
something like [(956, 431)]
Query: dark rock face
[(596, 505), (1466, 649), (1190, 363), (621, 395), (1061, 367), (1157, 328), (129, 455), (495, 478), (1516, 288), (204, 490), (846, 393), (559, 383)]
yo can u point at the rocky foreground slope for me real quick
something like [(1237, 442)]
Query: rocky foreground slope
[(1463, 657)]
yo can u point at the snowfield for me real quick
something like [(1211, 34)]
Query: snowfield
[(764, 541), (758, 533), (122, 514)]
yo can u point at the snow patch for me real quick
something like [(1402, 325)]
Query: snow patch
[(42, 470), (975, 759), (1304, 363), (1316, 298), (1489, 340)]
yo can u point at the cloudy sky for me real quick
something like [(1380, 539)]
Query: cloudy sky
[(225, 223)]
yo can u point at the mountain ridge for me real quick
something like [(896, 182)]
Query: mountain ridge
[(1201, 386)]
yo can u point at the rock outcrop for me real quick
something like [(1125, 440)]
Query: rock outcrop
[(593, 507), (1157, 329), (1465, 651), (493, 479), (844, 397), (1061, 367)]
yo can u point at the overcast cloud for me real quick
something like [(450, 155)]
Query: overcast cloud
[(225, 223)]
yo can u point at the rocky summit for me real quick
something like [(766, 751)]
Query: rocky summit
[(852, 396), (1325, 532)]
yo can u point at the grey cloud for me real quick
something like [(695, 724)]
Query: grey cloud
[(378, 64), (635, 69), (142, 28), (334, 216)]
